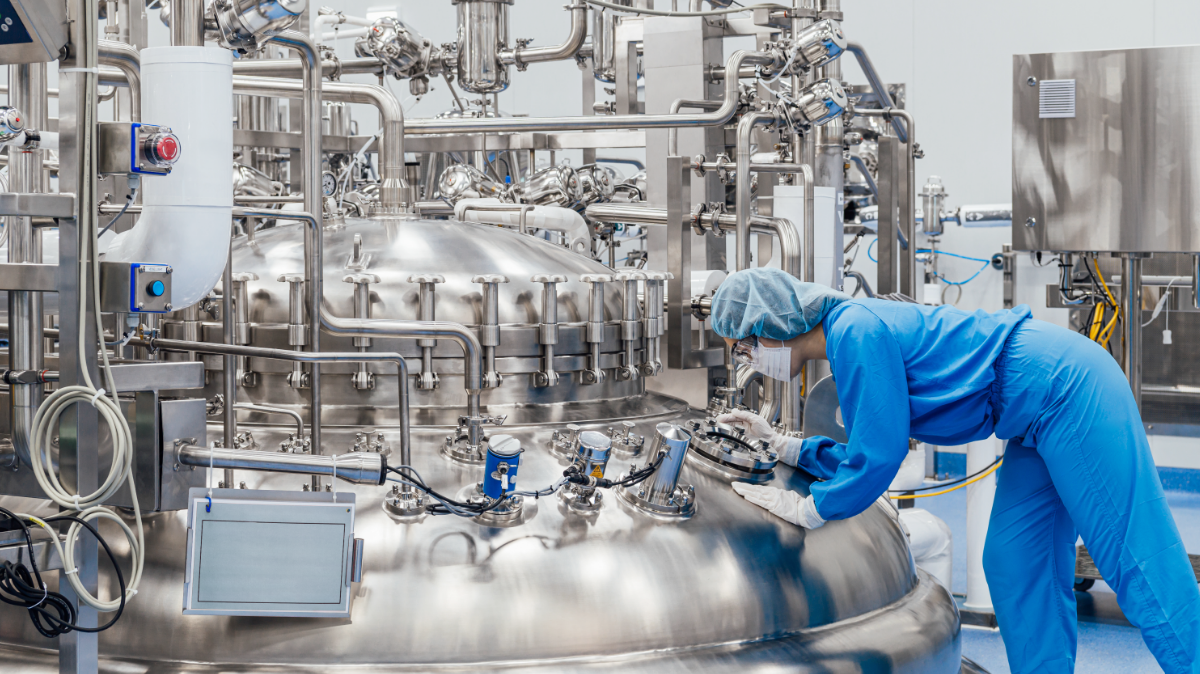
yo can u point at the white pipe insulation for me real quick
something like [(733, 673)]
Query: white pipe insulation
[(186, 216)]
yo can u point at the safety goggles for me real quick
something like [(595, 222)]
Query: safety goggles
[(743, 351)]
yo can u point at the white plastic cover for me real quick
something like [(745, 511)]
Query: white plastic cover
[(931, 543), (185, 219)]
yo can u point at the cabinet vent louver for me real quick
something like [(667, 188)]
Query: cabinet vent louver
[(1056, 99)]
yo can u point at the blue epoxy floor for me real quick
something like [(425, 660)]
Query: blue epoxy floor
[(1102, 648)]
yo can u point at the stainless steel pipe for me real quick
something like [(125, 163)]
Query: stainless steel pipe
[(1131, 326), (128, 60), (877, 85), (294, 68), (908, 222), (354, 467), (25, 175), (745, 129), (677, 105), (265, 409), (303, 357), (392, 196), (717, 117), (310, 154), (567, 49), (187, 23)]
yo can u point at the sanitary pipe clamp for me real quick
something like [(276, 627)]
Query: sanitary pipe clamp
[(631, 327), (595, 326), (489, 329), (548, 329)]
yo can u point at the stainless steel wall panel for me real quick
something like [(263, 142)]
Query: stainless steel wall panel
[(1122, 174)]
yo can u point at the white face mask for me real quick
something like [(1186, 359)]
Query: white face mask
[(775, 363)]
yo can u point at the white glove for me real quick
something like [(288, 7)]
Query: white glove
[(756, 427), (787, 505)]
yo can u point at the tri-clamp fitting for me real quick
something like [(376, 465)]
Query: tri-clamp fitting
[(241, 324), (656, 327), (595, 327), (548, 330), (364, 379), (631, 327), (489, 329), (297, 328), (428, 379)]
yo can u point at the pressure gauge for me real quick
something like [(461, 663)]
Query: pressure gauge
[(328, 184)]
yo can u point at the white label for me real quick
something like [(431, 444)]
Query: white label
[(154, 268)]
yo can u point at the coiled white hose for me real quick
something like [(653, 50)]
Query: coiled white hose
[(46, 421)]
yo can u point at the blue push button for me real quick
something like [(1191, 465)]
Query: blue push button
[(156, 289)]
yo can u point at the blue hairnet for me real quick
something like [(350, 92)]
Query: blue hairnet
[(770, 303)]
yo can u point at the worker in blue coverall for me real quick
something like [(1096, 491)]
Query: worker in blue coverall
[(1077, 457)]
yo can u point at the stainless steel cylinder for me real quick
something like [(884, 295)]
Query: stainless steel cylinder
[(187, 23), (660, 488), (604, 41), (1131, 307), (592, 453), (27, 93), (482, 34)]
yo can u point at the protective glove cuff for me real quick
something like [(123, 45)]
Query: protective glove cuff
[(787, 448), (808, 515)]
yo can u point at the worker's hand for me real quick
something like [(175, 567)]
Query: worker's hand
[(757, 428), (787, 505)]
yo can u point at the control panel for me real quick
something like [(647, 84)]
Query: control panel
[(135, 287), (32, 31), (131, 148)]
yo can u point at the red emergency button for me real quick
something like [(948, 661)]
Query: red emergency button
[(162, 149)]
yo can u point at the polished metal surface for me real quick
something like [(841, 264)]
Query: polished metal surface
[(1115, 176), (482, 33), (773, 583)]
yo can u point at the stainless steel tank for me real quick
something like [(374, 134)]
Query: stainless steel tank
[(576, 582)]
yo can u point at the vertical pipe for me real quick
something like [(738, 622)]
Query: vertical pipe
[(187, 23), (980, 455), (745, 129), (310, 158), (27, 93), (229, 376), (803, 149), (1196, 280), (829, 164), (1131, 307)]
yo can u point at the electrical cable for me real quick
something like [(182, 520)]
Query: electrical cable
[(46, 420), (980, 476), (663, 12), (128, 200), (948, 483), (52, 613)]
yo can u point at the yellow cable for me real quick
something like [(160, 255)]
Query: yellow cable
[(1097, 321), (1106, 333), (947, 491)]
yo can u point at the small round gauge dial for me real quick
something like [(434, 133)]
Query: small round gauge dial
[(328, 184)]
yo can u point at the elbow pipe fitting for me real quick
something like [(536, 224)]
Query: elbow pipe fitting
[(522, 56), (129, 60), (394, 192)]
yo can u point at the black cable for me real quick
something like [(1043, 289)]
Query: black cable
[(51, 612), (950, 483)]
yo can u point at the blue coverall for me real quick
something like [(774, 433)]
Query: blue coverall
[(1077, 459)]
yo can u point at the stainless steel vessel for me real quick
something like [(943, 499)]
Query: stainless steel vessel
[(566, 586)]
